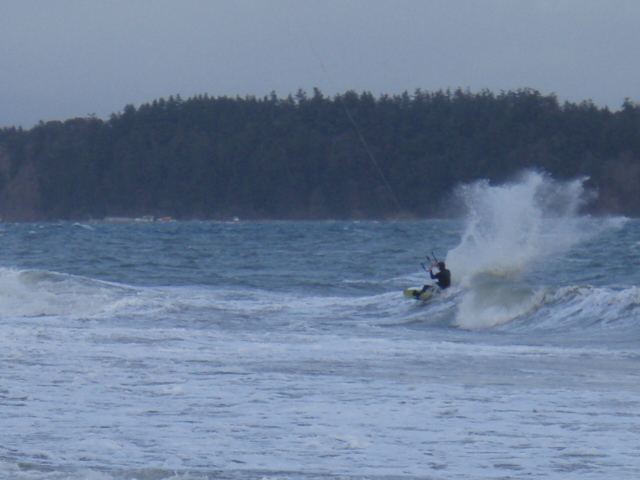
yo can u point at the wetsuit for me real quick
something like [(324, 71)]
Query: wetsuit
[(443, 277)]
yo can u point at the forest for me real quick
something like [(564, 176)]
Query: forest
[(310, 156)]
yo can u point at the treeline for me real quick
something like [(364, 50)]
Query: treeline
[(353, 155)]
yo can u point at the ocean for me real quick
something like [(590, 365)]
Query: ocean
[(286, 350)]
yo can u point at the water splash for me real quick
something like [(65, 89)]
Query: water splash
[(509, 227)]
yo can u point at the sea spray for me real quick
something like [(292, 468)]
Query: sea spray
[(512, 225), (509, 227)]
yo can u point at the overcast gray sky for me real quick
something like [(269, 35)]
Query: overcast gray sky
[(67, 58)]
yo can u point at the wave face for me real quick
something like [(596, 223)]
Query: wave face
[(287, 350)]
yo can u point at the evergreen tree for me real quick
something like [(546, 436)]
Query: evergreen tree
[(313, 156)]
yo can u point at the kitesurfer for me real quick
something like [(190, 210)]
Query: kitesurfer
[(443, 278)]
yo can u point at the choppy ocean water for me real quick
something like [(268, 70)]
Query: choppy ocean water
[(278, 350)]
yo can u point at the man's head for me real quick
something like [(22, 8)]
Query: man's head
[(441, 265)]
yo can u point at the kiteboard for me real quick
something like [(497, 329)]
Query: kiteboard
[(413, 293)]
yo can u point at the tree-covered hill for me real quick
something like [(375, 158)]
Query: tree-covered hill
[(311, 156)]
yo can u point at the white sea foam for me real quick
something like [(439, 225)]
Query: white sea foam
[(587, 308)]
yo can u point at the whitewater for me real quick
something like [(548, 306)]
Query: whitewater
[(286, 350)]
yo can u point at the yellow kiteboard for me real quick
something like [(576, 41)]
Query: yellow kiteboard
[(413, 293)]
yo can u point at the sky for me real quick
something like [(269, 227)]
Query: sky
[(61, 59)]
